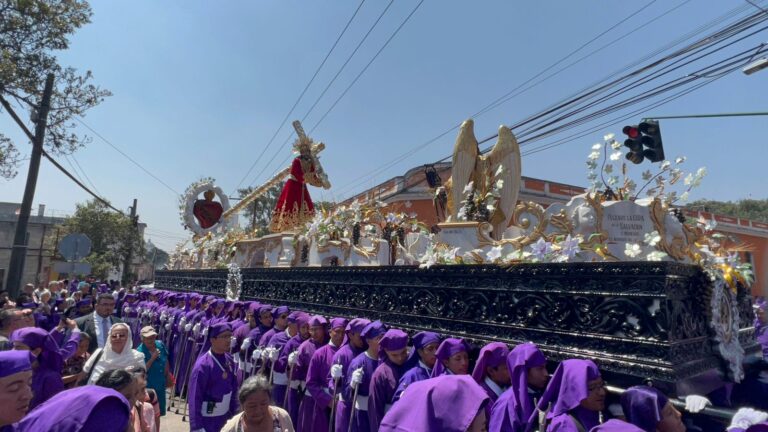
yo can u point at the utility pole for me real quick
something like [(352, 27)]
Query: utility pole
[(129, 255), (19, 250)]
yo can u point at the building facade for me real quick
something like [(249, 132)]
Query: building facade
[(42, 236), (411, 193)]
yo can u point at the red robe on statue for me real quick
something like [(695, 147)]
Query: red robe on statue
[(294, 207)]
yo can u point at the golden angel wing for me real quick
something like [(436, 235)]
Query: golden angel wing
[(465, 154), (505, 154)]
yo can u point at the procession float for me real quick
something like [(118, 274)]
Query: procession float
[(617, 274)]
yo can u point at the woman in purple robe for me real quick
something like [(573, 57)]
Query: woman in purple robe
[(282, 364), (578, 393), (393, 353), (491, 371), (452, 357), (420, 362), (213, 386), (49, 362), (448, 403), (305, 402), (365, 363), (528, 378), (354, 345), (89, 408)]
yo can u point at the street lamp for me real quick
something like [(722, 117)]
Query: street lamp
[(755, 66)]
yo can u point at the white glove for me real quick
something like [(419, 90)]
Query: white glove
[(336, 371), (273, 354), (196, 329), (205, 332), (696, 403), (246, 343), (232, 343), (168, 327), (746, 417), (256, 354), (128, 309), (357, 377), (293, 357), (187, 328)]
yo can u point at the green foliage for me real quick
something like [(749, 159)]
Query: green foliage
[(259, 212), (756, 210), (31, 31), (111, 236)]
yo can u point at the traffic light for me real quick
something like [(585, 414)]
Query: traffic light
[(644, 142)]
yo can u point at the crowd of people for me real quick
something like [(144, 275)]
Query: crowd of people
[(89, 356)]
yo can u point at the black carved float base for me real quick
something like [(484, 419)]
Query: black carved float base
[(637, 320)]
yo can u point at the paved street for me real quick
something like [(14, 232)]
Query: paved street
[(172, 422)]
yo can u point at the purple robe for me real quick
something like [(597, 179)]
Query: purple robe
[(512, 410), (279, 377), (567, 388), (614, 425), (493, 354), (448, 348), (415, 374), (343, 357), (643, 406), (382, 389), (359, 415), (313, 413), (448, 403), (282, 365), (88, 408), (209, 384)]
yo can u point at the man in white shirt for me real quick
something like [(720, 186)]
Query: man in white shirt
[(98, 323)]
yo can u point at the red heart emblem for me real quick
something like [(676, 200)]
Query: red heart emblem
[(207, 213)]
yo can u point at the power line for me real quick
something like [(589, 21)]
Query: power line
[(149, 173), (85, 174), (512, 93), (719, 36), (306, 87), (328, 86)]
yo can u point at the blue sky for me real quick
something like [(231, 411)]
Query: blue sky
[(200, 87)]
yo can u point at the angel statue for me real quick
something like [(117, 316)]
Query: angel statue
[(294, 207), (475, 173)]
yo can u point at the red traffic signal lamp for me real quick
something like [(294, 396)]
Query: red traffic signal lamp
[(644, 142)]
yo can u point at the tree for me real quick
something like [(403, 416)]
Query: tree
[(111, 234), (756, 210), (31, 31), (259, 212)]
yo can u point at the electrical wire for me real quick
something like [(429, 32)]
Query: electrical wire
[(149, 173), (306, 87)]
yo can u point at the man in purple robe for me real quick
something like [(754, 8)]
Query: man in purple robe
[(491, 371), (317, 378), (240, 336), (213, 386), (420, 362), (278, 341), (357, 380), (318, 338), (578, 393), (343, 357), (88, 408), (284, 364), (528, 379), (393, 353), (447, 403), (317, 397), (264, 315), (452, 357), (15, 392), (280, 318), (46, 378)]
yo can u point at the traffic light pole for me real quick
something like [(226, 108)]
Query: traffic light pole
[(19, 249), (746, 114)]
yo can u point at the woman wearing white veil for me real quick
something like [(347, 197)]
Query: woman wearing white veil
[(118, 353)]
